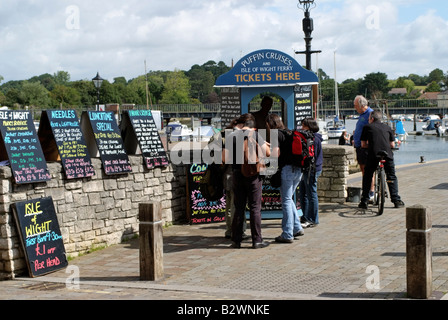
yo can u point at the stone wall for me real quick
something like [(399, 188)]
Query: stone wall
[(92, 212), (332, 183)]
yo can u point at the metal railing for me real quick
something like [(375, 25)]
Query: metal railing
[(421, 106)]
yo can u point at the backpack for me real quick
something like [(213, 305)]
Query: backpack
[(302, 149), (211, 185), (251, 165)]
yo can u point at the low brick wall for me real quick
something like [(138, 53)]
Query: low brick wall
[(92, 212)]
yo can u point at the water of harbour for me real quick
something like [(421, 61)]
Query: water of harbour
[(430, 147)]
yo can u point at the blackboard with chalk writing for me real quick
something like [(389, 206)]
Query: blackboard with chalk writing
[(103, 126), (40, 235), (303, 107), (230, 105), (200, 209), (138, 126), (62, 126), (22, 146)]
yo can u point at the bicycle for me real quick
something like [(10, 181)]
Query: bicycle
[(380, 192)]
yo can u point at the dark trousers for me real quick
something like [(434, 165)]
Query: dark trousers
[(392, 181), (247, 191)]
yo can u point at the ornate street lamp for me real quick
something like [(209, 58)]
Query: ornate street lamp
[(307, 24), (97, 81)]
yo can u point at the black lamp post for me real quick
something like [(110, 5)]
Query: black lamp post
[(97, 81), (307, 24)]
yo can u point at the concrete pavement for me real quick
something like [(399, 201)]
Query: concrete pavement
[(335, 260)]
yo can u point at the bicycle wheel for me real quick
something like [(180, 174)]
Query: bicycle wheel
[(381, 188)]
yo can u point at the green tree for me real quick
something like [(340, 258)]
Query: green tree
[(13, 97), (46, 79), (35, 94), (65, 96), (349, 89), (433, 87), (435, 75), (375, 84), (86, 91), (61, 77), (176, 89), (201, 81)]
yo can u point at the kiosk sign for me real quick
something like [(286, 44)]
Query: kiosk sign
[(266, 68)]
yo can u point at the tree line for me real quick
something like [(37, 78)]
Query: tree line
[(164, 87), (377, 85), (194, 86)]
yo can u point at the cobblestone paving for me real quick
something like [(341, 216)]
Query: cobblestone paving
[(332, 260)]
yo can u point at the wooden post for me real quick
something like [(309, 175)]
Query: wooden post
[(151, 241), (418, 252)]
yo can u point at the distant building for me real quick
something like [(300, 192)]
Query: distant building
[(442, 99), (398, 92), (431, 97)]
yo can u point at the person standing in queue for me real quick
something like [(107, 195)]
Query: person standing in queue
[(309, 200), (247, 190), (290, 179)]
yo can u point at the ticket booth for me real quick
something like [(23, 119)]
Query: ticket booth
[(269, 71)]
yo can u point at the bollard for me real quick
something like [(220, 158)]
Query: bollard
[(418, 252), (151, 241)]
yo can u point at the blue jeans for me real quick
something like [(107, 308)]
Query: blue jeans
[(308, 196), (291, 221)]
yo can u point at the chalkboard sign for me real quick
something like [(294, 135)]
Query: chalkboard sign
[(270, 197), (303, 107), (22, 145), (62, 127), (230, 105), (40, 235), (109, 143), (139, 126), (200, 209)]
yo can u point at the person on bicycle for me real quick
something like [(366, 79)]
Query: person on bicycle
[(376, 137)]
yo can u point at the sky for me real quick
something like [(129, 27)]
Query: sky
[(115, 38)]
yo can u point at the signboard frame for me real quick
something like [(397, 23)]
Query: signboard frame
[(37, 236), (101, 130), (22, 146), (60, 133), (140, 135)]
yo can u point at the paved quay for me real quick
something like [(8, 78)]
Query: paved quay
[(331, 261)]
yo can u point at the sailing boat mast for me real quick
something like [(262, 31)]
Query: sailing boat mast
[(336, 93)]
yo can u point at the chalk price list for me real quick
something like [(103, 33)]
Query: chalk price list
[(109, 142), (41, 236), (203, 210), (148, 137), (27, 161)]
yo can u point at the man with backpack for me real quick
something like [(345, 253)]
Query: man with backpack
[(296, 152)]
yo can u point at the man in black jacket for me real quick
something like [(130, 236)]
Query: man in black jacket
[(376, 137)]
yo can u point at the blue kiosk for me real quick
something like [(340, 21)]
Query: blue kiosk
[(268, 71)]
